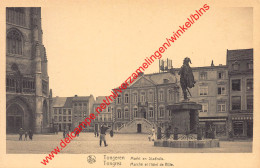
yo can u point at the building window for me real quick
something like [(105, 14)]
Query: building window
[(170, 95), (75, 104), (126, 113), (221, 107), (55, 118), (15, 16), (69, 118), (119, 113), (250, 65), (69, 111), (64, 111), (235, 66), (108, 109), (142, 96), (161, 111), (236, 85), (221, 90), (55, 111), (169, 113), (14, 42), (150, 97), (249, 84), (135, 97), (135, 112), (60, 118), (203, 90), (161, 95), (236, 102), (80, 104), (119, 99), (60, 112), (238, 128), (249, 102), (126, 98), (205, 108), (203, 75), (151, 112), (221, 75), (85, 104)]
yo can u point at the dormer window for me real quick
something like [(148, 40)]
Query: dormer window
[(235, 66), (165, 80)]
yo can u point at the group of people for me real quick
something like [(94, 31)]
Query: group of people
[(103, 130), (26, 133)]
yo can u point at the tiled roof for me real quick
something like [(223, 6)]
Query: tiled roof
[(68, 103), (80, 98), (239, 54), (99, 99), (59, 101), (158, 78)]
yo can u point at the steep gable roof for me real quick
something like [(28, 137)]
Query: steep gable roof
[(59, 101)]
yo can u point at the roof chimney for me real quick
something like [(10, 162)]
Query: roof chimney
[(212, 64)]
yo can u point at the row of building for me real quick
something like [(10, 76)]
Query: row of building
[(225, 91)]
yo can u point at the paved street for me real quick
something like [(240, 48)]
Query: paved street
[(120, 143)]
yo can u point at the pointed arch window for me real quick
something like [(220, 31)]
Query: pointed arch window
[(14, 42)]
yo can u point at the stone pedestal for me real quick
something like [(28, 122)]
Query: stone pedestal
[(185, 116)]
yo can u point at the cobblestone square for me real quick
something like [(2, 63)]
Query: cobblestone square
[(121, 143)]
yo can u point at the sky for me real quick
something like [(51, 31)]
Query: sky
[(92, 47)]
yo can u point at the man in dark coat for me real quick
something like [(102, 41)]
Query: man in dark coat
[(21, 131), (103, 130), (186, 77), (30, 134)]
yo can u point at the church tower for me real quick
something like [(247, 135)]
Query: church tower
[(27, 80)]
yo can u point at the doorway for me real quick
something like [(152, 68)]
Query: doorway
[(139, 128), (14, 119), (250, 129)]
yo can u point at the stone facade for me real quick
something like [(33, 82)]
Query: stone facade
[(144, 103), (27, 80), (211, 91), (240, 66), (82, 107), (106, 117), (62, 113), (69, 112)]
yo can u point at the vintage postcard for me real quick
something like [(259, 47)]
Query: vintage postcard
[(129, 83)]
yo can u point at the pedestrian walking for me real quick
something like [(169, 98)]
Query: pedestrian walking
[(25, 135), (149, 136), (103, 135), (153, 134), (95, 133), (30, 134), (21, 131), (111, 133), (64, 133)]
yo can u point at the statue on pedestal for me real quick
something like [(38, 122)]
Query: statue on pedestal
[(186, 78)]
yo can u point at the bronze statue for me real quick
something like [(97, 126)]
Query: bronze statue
[(187, 78)]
